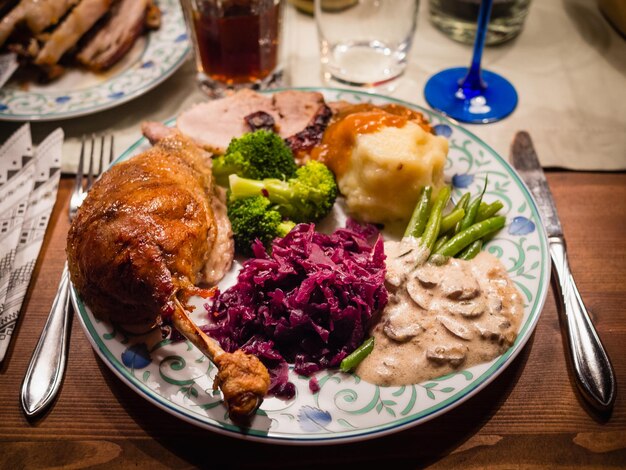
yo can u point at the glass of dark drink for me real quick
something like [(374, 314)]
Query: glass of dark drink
[(236, 43)]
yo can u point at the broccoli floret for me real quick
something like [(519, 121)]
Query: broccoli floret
[(256, 155), (252, 218), (307, 197)]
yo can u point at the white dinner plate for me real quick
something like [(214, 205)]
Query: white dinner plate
[(179, 379), (153, 58)]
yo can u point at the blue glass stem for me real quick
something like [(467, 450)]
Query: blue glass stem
[(473, 84)]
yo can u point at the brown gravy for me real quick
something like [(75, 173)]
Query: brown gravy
[(440, 319), (350, 121)]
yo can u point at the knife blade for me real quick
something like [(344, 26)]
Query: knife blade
[(593, 371)]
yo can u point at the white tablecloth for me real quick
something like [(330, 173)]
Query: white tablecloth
[(568, 65)]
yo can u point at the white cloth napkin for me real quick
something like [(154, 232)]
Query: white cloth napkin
[(29, 180)]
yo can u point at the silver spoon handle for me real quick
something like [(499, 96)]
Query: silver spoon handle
[(594, 374), (45, 371)]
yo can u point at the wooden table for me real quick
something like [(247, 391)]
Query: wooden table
[(529, 417)]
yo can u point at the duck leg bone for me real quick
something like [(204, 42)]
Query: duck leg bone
[(243, 379)]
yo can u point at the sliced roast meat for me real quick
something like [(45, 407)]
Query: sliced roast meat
[(45, 13), (303, 141), (155, 131), (116, 37), (214, 124), (77, 23), (13, 18), (296, 110)]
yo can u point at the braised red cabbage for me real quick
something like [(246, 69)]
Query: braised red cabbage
[(308, 301)]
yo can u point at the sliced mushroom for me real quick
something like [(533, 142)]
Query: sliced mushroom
[(488, 333), (418, 294), (428, 276), (401, 325), (454, 355), (490, 327), (468, 290), (467, 308), (400, 333), (459, 283), (455, 327)]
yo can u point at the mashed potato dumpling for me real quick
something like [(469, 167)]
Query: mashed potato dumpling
[(382, 158), (387, 170)]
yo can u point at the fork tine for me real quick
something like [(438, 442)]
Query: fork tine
[(101, 162), (111, 150), (78, 183), (91, 174)]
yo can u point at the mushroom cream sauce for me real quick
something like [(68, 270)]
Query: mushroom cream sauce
[(440, 318)]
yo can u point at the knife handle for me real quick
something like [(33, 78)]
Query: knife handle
[(593, 370), (45, 371)]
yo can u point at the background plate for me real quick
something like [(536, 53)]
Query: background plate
[(154, 57), (179, 379)]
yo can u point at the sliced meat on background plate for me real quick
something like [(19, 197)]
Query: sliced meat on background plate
[(77, 23), (13, 18), (38, 15), (117, 36), (46, 13)]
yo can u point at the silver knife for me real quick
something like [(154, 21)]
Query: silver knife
[(592, 368)]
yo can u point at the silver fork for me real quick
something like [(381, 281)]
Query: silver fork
[(45, 371)]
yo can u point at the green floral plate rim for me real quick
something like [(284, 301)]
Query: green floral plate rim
[(178, 379)]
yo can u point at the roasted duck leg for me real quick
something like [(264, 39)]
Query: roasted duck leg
[(148, 231)]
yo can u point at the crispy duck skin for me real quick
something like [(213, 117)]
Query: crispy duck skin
[(116, 37), (139, 244), (144, 232), (66, 35)]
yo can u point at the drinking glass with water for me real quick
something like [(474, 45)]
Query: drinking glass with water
[(365, 43)]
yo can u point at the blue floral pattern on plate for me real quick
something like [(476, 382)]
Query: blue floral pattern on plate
[(136, 357), (521, 226), (179, 378), (462, 181)]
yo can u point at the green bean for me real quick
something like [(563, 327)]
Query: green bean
[(434, 220), (470, 215), (462, 204), (450, 220), (420, 214), (440, 241), (471, 234), (352, 360), (489, 210), (471, 251)]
